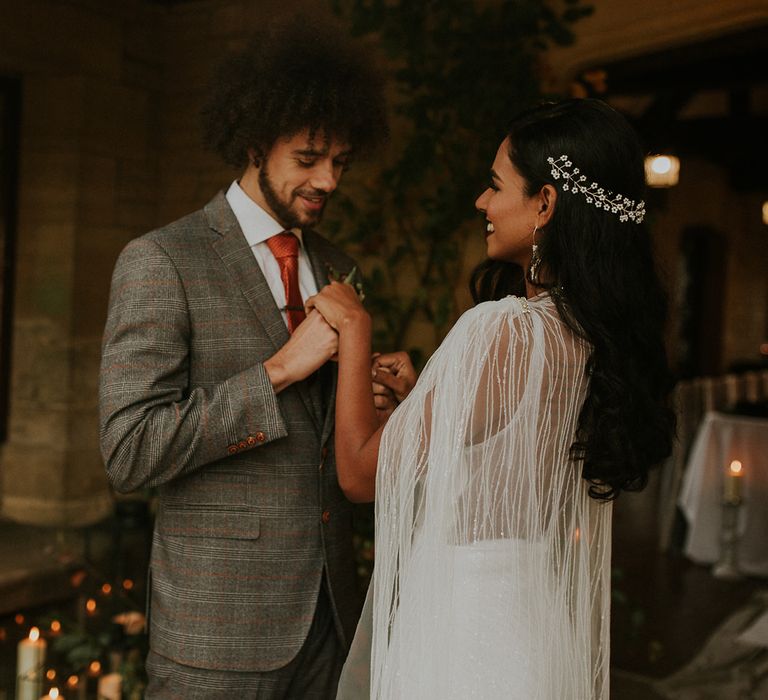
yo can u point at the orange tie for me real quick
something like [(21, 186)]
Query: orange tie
[(285, 248)]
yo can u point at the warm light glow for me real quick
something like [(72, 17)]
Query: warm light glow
[(765, 213), (34, 634), (50, 674), (106, 589), (19, 619), (764, 349), (3, 634), (661, 165), (77, 579), (53, 693), (577, 534), (55, 627), (662, 170), (736, 468), (128, 584), (94, 668), (90, 605), (72, 682)]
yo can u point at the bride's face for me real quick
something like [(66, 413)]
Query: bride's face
[(510, 214)]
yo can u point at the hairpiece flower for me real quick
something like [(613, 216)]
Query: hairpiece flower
[(576, 183)]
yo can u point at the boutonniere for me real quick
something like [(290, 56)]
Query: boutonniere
[(351, 278)]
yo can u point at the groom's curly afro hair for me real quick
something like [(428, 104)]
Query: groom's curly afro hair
[(296, 74)]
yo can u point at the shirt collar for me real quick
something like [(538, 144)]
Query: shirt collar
[(256, 223)]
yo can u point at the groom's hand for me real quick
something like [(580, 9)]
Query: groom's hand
[(310, 346)]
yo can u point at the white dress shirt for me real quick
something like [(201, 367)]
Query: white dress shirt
[(258, 226)]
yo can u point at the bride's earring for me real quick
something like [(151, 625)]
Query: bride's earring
[(533, 268)]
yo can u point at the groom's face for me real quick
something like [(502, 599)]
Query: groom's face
[(298, 175)]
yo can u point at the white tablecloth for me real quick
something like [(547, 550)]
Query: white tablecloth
[(720, 440)]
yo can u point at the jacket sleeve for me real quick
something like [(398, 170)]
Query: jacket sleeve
[(152, 427)]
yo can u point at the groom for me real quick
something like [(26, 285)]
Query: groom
[(217, 391)]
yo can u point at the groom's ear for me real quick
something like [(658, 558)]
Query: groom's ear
[(547, 201)]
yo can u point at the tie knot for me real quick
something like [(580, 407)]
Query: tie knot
[(284, 245)]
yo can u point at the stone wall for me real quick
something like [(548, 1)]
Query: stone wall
[(92, 75)]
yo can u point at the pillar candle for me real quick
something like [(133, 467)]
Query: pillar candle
[(732, 485), (30, 658)]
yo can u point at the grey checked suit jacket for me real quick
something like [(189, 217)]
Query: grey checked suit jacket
[(250, 513)]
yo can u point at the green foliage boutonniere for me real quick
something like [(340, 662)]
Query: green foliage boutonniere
[(352, 278)]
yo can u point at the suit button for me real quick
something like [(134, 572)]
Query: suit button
[(250, 440), (326, 516), (260, 437), (232, 449), (242, 445)]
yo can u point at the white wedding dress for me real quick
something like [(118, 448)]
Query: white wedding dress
[(492, 576)]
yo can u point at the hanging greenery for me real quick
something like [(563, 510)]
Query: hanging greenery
[(458, 71)]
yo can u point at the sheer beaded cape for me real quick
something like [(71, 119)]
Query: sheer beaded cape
[(492, 576)]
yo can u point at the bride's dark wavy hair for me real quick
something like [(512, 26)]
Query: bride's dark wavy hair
[(604, 282)]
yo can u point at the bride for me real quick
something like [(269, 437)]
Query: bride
[(494, 478)]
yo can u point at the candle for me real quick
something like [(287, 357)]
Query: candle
[(732, 486), (53, 694), (110, 687), (30, 658), (94, 669)]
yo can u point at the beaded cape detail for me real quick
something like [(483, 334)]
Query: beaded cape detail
[(576, 183)]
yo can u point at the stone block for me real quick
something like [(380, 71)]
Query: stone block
[(116, 120), (97, 251), (49, 191), (96, 191), (84, 374), (86, 470), (44, 272), (40, 372)]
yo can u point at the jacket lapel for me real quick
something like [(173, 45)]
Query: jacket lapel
[(235, 253)]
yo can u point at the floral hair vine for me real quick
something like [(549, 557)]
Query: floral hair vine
[(627, 209)]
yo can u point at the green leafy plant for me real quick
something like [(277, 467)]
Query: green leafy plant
[(458, 70)]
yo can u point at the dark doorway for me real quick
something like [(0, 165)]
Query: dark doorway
[(10, 110)]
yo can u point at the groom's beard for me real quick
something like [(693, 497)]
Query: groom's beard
[(288, 212)]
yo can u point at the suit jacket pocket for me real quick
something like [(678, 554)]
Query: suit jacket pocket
[(208, 522)]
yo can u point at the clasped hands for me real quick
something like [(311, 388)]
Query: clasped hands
[(393, 374)]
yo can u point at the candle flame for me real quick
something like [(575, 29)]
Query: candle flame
[(94, 668), (90, 605), (72, 682), (736, 467), (50, 674), (54, 693), (55, 626), (34, 634)]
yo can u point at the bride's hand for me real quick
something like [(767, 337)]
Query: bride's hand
[(339, 305)]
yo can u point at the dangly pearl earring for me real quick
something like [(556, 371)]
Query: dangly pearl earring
[(533, 268)]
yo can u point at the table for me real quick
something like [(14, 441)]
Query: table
[(720, 439)]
